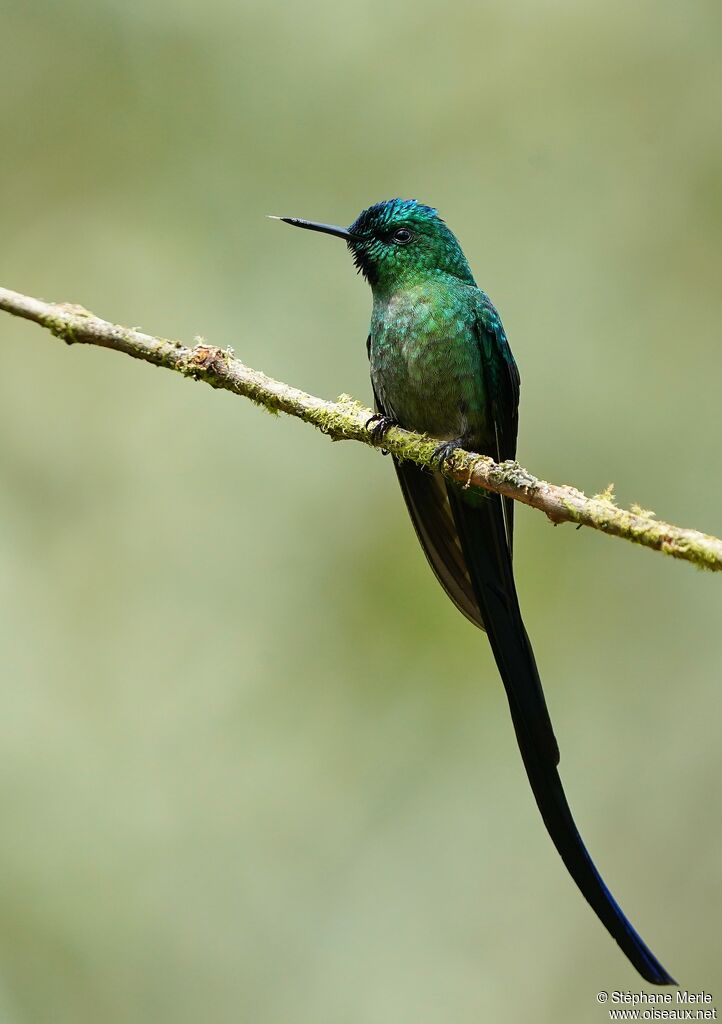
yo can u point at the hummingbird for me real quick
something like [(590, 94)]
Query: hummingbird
[(441, 365)]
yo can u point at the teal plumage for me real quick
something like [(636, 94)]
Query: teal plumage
[(440, 363), (416, 379)]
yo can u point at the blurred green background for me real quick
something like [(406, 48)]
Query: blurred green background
[(253, 764)]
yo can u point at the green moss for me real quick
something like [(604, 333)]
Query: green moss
[(60, 327), (639, 511), (607, 495)]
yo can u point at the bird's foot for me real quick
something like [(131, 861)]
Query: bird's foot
[(444, 450), (378, 424)]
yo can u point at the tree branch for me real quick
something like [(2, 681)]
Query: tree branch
[(345, 419)]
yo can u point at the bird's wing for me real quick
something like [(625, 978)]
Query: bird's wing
[(428, 504), (501, 385)]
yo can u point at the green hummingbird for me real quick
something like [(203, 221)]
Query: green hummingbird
[(441, 365)]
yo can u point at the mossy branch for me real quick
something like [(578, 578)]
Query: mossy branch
[(345, 419)]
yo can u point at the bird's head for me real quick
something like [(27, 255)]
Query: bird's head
[(398, 242)]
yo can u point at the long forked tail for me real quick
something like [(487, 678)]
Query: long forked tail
[(479, 521)]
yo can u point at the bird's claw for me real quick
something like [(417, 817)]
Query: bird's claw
[(442, 453), (377, 425)]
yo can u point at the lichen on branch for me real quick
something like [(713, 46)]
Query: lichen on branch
[(346, 419)]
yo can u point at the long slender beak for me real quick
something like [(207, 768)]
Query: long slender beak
[(312, 225)]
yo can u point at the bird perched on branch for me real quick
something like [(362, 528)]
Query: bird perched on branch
[(441, 365)]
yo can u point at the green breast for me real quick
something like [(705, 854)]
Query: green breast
[(425, 359)]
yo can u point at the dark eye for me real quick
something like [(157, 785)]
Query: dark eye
[(402, 236)]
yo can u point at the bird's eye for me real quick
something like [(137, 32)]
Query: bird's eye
[(402, 236)]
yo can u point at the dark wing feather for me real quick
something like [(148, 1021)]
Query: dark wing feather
[(501, 384), (428, 504)]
